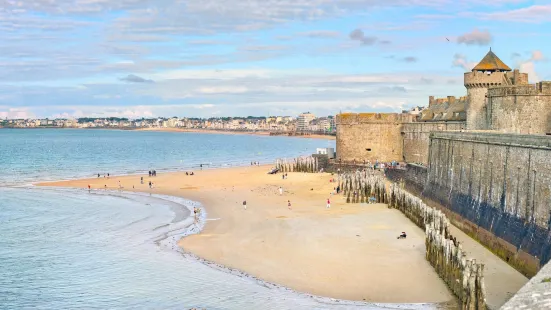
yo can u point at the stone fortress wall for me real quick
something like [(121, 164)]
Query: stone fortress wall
[(500, 187), (370, 136), (523, 109), (416, 138), (483, 158)]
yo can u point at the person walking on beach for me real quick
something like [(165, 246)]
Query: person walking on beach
[(149, 173), (108, 175), (245, 204), (141, 180), (150, 184), (328, 203), (120, 186), (280, 191), (105, 186), (98, 175), (289, 204), (88, 188)]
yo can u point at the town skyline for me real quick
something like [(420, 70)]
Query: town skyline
[(304, 122)]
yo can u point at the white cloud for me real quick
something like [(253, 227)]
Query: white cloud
[(529, 65), (16, 113), (460, 60), (533, 14), (223, 90), (475, 37)]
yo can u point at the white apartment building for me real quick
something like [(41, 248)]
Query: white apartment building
[(303, 121)]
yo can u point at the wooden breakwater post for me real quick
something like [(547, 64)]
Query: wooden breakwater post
[(462, 275), (308, 164)]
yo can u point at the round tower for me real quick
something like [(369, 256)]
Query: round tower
[(490, 72)]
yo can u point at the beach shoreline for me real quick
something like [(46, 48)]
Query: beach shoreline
[(184, 130), (300, 255), (234, 132)]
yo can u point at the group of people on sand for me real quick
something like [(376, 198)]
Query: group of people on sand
[(190, 173), (152, 173), (255, 163), (105, 175)]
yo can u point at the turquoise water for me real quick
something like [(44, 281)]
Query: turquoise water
[(74, 249)]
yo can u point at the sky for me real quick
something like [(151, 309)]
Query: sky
[(213, 58)]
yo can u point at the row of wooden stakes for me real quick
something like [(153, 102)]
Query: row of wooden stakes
[(464, 276), (307, 164)]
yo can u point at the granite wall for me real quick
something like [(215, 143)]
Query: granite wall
[(522, 109), (416, 139), (370, 136), (499, 185)]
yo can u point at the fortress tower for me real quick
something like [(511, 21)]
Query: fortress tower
[(490, 72)]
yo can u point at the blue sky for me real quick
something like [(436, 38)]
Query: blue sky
[(144, 58)]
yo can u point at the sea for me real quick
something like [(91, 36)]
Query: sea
[(74, 249)]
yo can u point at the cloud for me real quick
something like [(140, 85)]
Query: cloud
[(460, 60), (358, 35), (257, 48), (16, 113), (426, 81), (475, 37), (535, 14), (393, 89), (537, 56), (529, 65), (321, 34), (233, 93), (410, 59), (131, 78)]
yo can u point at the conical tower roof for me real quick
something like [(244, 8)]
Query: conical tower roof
[(491, 62)]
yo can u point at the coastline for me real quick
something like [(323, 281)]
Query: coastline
[(228, 132), (208, 131), (167, 242), (292, 247)]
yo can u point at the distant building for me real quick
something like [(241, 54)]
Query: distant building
[(303, 121)]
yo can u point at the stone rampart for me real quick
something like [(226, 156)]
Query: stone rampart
[(416, 138), (536, 294), (499, 185), (370, 136), (522, 109)]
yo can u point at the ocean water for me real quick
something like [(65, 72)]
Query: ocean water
[(28, 155), (74, 249)]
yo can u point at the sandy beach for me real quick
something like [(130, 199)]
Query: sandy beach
[(227, 132), (349, 251)]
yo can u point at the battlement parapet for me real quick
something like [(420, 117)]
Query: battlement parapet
[(445, 109), (366, 118), (479, 79), (448, 100), (539, 89)]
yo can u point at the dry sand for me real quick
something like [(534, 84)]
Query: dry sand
[(349, 251), (228, 132)]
